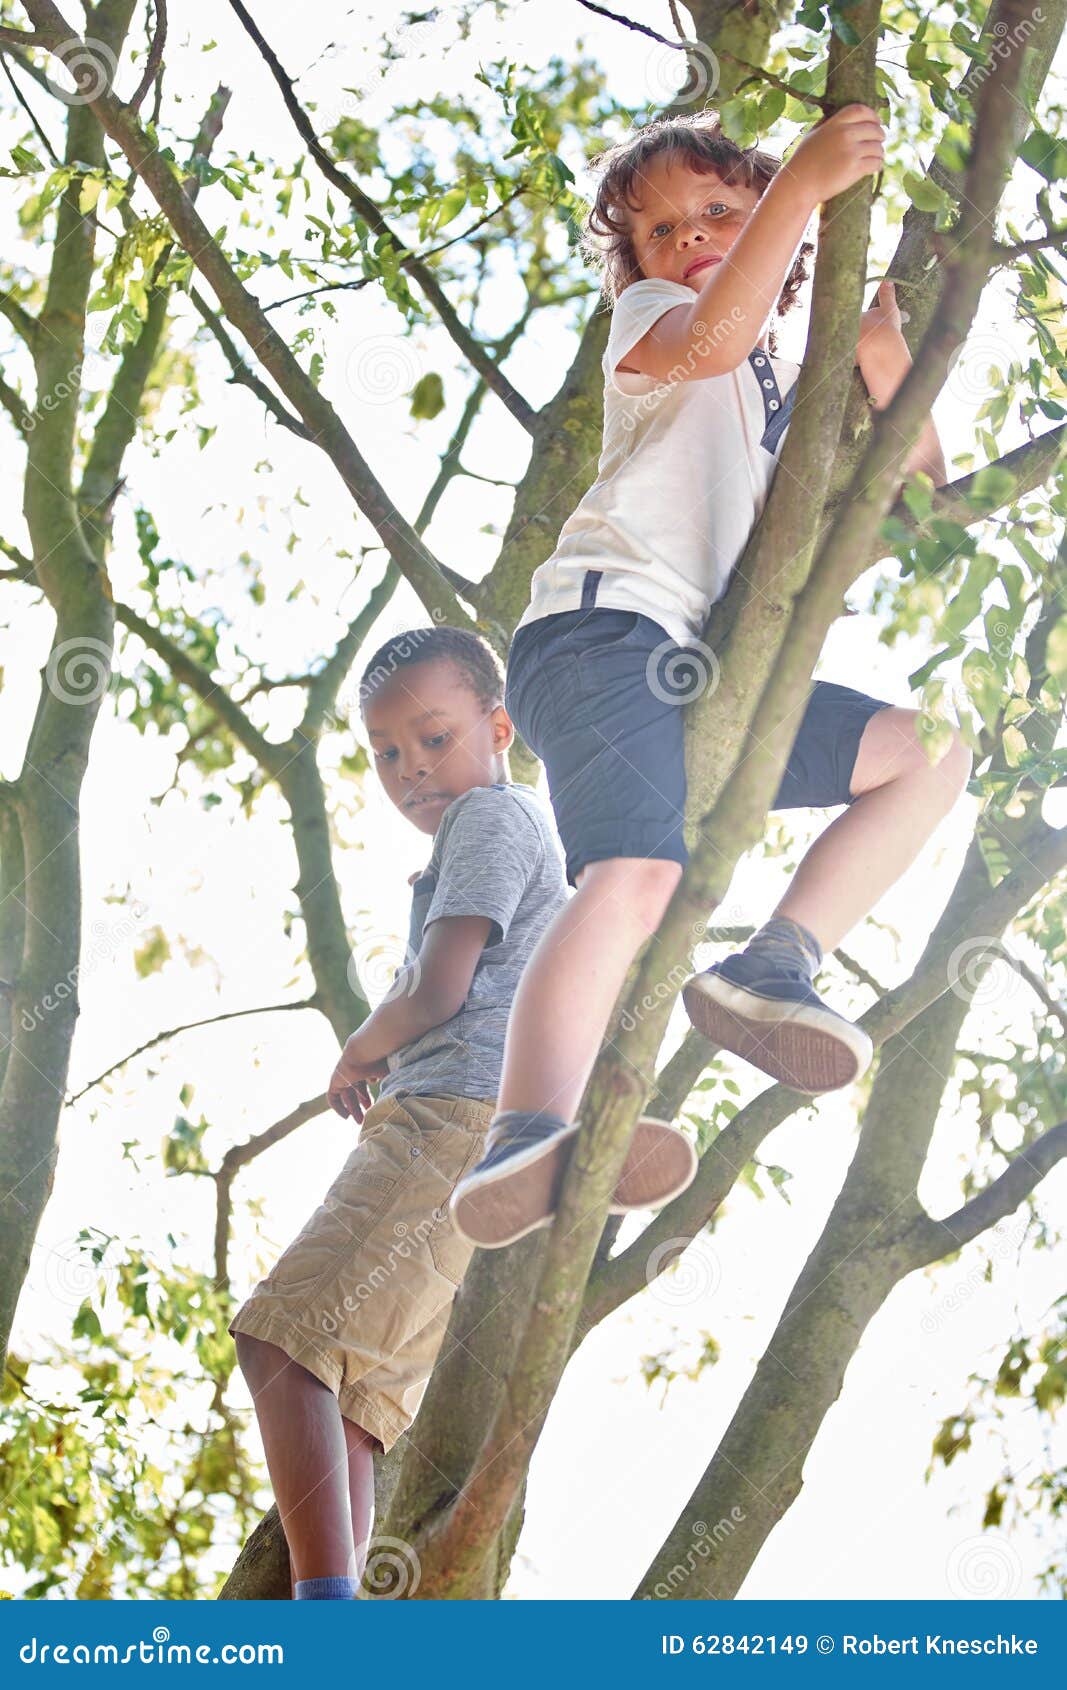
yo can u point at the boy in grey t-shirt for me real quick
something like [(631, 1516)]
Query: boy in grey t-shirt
[(338, 1342)]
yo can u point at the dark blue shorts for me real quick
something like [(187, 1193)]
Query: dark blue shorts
[(597, 694)]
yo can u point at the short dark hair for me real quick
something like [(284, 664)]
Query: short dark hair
[(697, 140), (476, 661)]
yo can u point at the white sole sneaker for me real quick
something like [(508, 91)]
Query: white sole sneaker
[(805, 1046), (503, 1204)]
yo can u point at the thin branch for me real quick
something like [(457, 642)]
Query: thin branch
[(755, 71), (1030, 464), (928, 1240), (155, 55), (1055, 238), (185, 668), (14, 404), (19, 318), (364, 206), (23, 570), (20, 37), (241, 375), (406, 264), (324, 686), (28, 109), (245, 314), (237, 1157), (186, 1027), (1057, 1010)]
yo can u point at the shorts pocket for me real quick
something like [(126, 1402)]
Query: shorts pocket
[(451, 1254), (605, 630)]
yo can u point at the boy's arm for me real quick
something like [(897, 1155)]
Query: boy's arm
[(739, 293), (429, 990), (884, 360)]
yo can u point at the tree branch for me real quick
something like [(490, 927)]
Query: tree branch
[(186, 1027), (241, 375), (15, 406), (365, 281), (238, 1156), (19, 318), (1030, 464), (155, 55), (472, 349), (928, 1240), (245, 313), (186, 669)]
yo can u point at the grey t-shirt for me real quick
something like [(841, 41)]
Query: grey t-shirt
[(494, 854)]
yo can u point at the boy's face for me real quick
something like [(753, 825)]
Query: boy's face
[(433, 739), (686, 221)]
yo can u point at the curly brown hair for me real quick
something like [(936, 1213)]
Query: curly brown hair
[(696, 140)]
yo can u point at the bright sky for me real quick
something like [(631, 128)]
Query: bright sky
[(616, 1462)]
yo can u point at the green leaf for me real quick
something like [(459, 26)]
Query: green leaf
[(150, 956), (25, 162), (991, 488), (1015, 747), (1045, 153), (451, 205), (86, 1323), (1056, 652), (91, 189), (924, 194), (428, 397), (921, 676), (984, 683)]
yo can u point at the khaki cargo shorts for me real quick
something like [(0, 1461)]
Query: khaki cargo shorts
[(362, 1296)]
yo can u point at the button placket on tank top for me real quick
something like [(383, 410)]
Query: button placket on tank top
[(774, 424)]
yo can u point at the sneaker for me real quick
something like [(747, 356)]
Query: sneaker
[(773, 1017), (515, 1187)]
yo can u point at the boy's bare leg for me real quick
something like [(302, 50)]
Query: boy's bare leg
[(361, 1446), (569, 986), (307, 1457), (867, 848)]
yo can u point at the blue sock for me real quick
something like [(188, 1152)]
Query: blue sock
[(338, 1588), (784, 941)]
